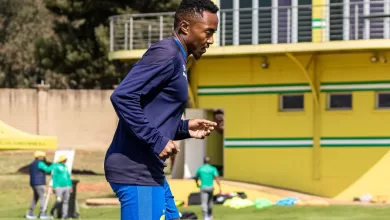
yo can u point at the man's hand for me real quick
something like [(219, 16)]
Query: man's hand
[(200, 128), (170, 149)]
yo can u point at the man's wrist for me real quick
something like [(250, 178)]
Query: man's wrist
[(187, 124), (187, 128), (160, 145)]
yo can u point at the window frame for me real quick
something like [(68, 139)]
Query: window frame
[(377, 99), (328, 107), (281, 106)]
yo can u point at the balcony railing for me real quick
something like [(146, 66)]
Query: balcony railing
[(351, 20)]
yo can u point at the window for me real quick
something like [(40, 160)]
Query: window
[(293, 20), (265, 22), (245, 22), (351, 21), (336, 20), (291, 102), (304, 21), (228, 16), (383, 100), (340, 101)]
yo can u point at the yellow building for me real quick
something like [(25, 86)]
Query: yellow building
[(305, 88)]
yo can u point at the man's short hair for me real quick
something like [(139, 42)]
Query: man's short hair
[(193, 9)]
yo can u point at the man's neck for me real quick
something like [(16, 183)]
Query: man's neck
[(179, 37)]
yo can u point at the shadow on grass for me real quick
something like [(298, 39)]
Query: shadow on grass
[(25, 170)]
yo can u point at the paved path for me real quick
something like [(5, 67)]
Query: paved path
[(182, 188)]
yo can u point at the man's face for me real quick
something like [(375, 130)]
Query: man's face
[(219, 119), (200, 33)]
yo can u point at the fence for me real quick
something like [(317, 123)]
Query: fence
[(350, 20)]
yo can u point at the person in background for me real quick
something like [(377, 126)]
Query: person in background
[(220, 120), (62, 186), (207, 173), (38, 170)]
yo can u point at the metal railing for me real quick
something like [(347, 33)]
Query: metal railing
[(350, 20)]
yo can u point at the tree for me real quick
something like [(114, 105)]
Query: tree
[(80, 48), (21, 23), (63, 42)]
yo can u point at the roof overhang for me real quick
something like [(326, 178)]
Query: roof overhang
[(263, 49)]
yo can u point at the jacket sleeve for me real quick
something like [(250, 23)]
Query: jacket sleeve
[(197, 174), (42, 166), (143, 80), (182, 131), (215, 172), (69, 181), (54, 175)]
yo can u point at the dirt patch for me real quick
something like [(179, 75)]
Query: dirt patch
[(103, 202), (94, 187)]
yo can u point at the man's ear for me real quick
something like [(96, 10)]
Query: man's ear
[(184, 27)]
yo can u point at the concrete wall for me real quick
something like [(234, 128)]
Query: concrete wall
[(80, 118), (18, 107), (267, 146)]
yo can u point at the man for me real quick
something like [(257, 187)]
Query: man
[(220, 120), (38, 184), (62, 186), (150, 102), (207, 173)]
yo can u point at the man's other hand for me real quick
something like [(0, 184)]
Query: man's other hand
[(200, 128), (170, 149)]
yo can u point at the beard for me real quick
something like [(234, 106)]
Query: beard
[(198, 54)]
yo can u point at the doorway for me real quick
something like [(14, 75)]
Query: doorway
[(212, 146)]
